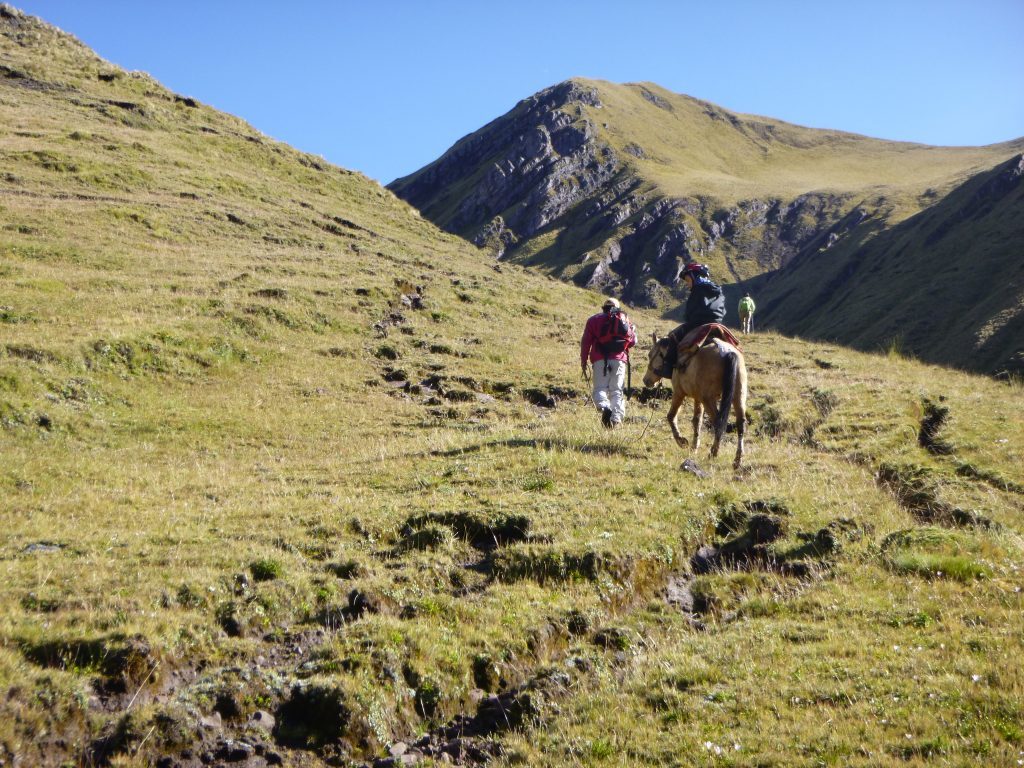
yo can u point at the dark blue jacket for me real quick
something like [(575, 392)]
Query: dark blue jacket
[(705, 304)]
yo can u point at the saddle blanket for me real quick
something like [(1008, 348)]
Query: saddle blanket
[(701, 335)]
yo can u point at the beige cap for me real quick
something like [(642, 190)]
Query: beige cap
[(610, 302)]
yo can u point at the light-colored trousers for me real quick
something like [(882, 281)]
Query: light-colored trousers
[(747, 322), (610, 386)]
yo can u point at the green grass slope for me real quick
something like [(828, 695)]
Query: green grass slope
[(946, 285), (692, 147), (288, 476)]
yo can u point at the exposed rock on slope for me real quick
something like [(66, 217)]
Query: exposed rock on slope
[(617, 186), (519, 173)]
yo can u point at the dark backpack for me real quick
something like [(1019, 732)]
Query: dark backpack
[(613, 334)]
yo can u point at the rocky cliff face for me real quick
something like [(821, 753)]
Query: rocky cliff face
[(648, 240), (518, 174)]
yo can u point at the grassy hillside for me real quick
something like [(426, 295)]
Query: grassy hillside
[(282, 483), (692, 147), (946, 285)]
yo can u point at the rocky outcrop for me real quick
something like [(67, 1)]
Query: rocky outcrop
[(563, 183), (528, 168), (544, 167), (642, 243)]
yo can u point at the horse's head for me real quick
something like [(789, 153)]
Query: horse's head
[(656, 360)]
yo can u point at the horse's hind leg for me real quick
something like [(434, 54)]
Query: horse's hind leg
[(740, 408), (740, 425), (712, 408), (677, 401), (698, 417)]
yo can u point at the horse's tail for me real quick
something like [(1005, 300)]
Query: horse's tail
[(730, 375)]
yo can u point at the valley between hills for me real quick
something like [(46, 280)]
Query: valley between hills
[(290, 475)]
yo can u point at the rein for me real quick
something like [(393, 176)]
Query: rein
[(649, 420)]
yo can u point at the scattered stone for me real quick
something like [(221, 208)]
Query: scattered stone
[(234, 751), (398, 749), (212, 722), (263, 720), (704, 559), (390, 320), (42, 546), (678, 594), (413, 301), (693, 468), (539, 397)]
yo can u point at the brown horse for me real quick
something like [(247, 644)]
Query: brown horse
[(714, 377)]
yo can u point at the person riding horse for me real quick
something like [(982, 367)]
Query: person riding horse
[(705, 304)]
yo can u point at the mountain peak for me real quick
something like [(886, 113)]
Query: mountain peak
[(617, 186)]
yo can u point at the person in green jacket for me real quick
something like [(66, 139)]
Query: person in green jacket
[(747, 313)]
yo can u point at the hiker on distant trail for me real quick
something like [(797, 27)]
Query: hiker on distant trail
[(705, 304), (607, 338), (747, 313)]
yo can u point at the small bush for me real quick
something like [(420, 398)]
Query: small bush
[(265, 570)]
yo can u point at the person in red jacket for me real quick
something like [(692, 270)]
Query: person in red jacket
[(607, 338)]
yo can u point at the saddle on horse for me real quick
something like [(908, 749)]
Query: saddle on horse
[(698, 337)]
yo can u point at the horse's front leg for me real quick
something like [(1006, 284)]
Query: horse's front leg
[(698, 418), (677, 401)]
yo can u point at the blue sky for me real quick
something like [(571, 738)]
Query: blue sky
[(385, 87)]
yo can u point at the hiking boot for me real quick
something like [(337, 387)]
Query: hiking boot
[(606, 417)]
